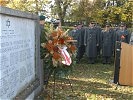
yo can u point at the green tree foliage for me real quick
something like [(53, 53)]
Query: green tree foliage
[(120, 11), (117, 14), (86, 10), (81, 11), (78, 10), (33, 6), (60, 8), (97, 13)]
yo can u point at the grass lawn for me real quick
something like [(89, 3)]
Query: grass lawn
[(89, 82)]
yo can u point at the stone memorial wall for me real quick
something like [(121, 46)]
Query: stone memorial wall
[(18, 53)]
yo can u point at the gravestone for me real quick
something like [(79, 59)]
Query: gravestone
[(20, 71)]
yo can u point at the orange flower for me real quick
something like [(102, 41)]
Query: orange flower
[(72, 48), (55, 41), (54, 34), (69, 38), (49, 46), (56, 56), (60, 32), (55, 48), (61, 41)]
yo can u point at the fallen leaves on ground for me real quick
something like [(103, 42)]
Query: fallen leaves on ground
[(89, 82)]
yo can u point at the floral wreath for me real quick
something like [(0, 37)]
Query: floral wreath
[(60, 47)]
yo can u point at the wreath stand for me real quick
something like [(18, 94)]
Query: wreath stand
[(55, 70)]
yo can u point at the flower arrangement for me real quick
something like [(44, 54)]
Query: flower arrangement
[(59, 47)]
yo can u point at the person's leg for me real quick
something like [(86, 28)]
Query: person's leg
[(104, 60), (89, 60), (79, 54), (98, 51), (108, 60), (93, 60), (82, 51)]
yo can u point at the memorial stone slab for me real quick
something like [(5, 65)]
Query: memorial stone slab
[(18, 52)]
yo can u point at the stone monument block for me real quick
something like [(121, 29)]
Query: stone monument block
[(19, 54)]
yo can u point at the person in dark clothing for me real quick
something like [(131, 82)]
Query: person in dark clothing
[(122, 34), (131, 39), (46, 69), (42, 35), (91, 43), (80, 43), (73, 33), (107, 44), (115, 29), (98, 29)]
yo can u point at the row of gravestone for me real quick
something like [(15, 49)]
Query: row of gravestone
[(20, 70)]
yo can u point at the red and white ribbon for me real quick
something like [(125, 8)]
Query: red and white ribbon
[(66, 57)]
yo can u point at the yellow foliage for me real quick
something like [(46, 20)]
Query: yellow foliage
[(3, 2)]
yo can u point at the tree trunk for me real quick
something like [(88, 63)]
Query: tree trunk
[(62, 21), (36, 7)]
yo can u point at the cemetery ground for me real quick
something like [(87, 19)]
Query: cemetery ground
[(89, 82)]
